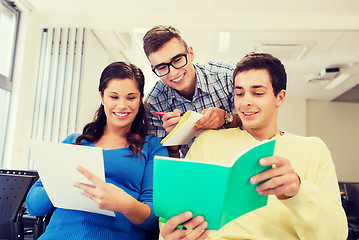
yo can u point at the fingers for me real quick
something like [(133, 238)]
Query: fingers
[(275, 185), (92, 178), (283, 191), (83, 186), (195, 227), (213, 118), (87, 190), (88, 193), (172, 223), (168, 115), (195, 222), (280, 180), (171, 119), (200, 226), (203, 235), (270, 173)]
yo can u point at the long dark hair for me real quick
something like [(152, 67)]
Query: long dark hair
[(94, 130)]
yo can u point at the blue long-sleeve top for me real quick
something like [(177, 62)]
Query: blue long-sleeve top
[(133, 175)]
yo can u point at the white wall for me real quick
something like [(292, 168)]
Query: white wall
[(337, 124), (292, 116), (95, 59)]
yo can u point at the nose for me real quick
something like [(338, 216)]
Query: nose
[(247, 100), (121, 103), (172, 71)]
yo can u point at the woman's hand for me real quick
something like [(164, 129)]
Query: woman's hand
[(110, 197), (105, 195)]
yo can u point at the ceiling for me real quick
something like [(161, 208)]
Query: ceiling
[(308, 36)]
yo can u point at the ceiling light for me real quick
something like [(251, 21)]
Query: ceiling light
[(316, 79), (285, 50), (330, 72), (337, 81)]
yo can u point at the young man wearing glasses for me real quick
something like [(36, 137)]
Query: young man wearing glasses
[(207, 88)]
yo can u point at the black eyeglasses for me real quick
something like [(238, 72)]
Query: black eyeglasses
[(177, 62)]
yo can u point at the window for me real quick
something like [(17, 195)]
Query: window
[(9, 19), (58, 84)]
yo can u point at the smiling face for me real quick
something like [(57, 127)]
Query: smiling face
[(121, 100), (255, 102), (183, 80)]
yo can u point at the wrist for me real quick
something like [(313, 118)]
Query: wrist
[(126, 204), (173, 149), (228, 118)]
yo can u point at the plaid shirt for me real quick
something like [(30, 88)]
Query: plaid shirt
[(214, 88)]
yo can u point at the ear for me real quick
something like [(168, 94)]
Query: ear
[(101, 96), (280, 98), (190, 54)]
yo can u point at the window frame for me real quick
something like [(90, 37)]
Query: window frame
[(6, 82)]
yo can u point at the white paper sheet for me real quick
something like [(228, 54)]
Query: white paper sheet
[(56, 164)]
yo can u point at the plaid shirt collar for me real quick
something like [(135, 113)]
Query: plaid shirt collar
[(200, 86)]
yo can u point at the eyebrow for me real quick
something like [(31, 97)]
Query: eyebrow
[(173, 58), (254, 87), (112, 92)]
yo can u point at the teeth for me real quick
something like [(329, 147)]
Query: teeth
[(248, 114), (178, 79), (121, 114)]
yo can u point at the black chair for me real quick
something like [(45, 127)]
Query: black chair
[(14, 186), (153, 234), (350, 202), (16, 222)]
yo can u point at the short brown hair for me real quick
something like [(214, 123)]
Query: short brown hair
[(156, 37), (265, 61)]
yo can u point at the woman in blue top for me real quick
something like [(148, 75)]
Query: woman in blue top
[(120, 129)]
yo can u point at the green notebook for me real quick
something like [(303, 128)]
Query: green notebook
[(217, 192)]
